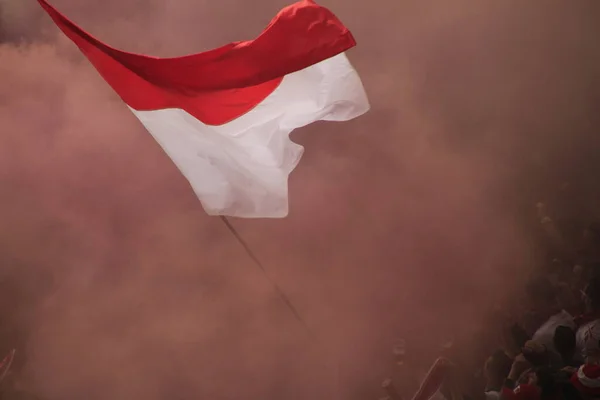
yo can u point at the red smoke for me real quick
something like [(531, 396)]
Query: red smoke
[(408, 222)]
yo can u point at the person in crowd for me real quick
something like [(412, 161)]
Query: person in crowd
[(538, 383), (587, 381), (538, 355), (588, 324), (589, 249), (565, 345), (519, 385), (496, 370), (550, 314)]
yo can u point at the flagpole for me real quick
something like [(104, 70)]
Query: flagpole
[(280, 292), (286, 300)]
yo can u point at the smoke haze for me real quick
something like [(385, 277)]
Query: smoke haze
[(408, 222)]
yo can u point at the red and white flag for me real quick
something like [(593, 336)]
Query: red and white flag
[(224, 116)]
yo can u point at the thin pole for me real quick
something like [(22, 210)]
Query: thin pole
[(286, 300), (280, 292)]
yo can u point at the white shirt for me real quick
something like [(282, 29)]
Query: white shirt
[(588, 337), (492, 395), (545, 333)]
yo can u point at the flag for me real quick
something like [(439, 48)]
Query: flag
[(224, 116)]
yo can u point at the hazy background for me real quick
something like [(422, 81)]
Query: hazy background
[(408, 222)]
